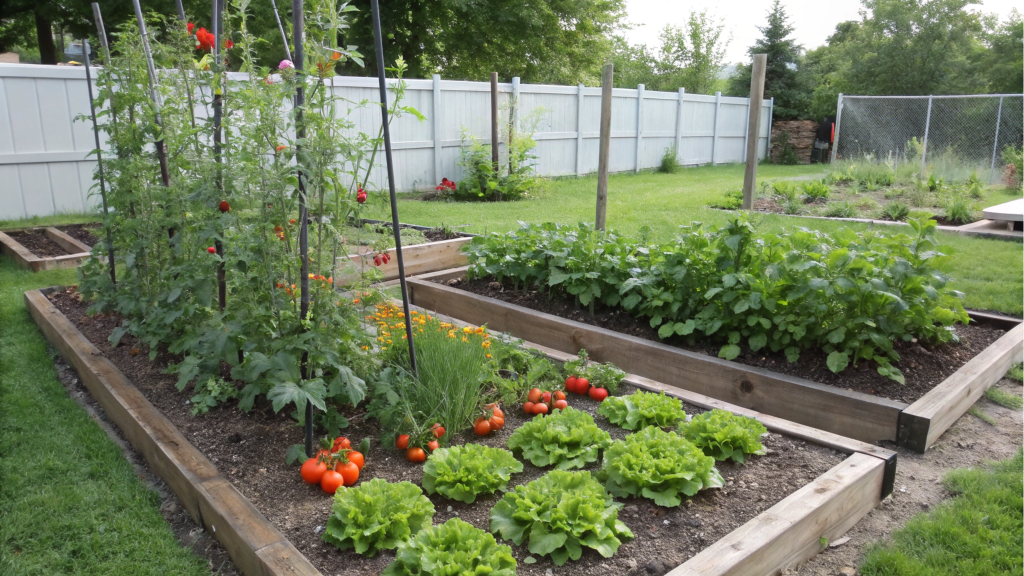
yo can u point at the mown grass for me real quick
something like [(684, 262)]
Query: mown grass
[(976, 533), (989, 272), (55, 220), (70, 503), (1004, 398)]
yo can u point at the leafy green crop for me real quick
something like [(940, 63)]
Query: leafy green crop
[(642, 409), (377, 515), (462, 472), (455, 548), (723, 435), (568, 438), (658, 465), (560, 513), (850, 295), (599, 375)]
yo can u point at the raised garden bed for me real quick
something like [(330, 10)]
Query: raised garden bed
[(47, 248), (951, 379), (228, 469), (442, 250)]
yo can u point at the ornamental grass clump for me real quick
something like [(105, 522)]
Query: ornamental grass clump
[(463, 472), (642, 409), (567, 438), (377, 515), (658, 465), (560, 513), (724, 435), (455, 548)]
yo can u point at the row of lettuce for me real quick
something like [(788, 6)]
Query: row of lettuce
[(848, 294), (667, 458)]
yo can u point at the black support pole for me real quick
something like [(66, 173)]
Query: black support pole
[(99, 160), (391, 181)]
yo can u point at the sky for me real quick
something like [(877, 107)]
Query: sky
[(813, 20)]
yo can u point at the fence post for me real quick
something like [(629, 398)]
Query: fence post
[(436, 78), (771, 118), (515, 103), (639, 124), (579, 130), (995, 143), (679, 125), (753, 128), (839, 119), (494, 122), (927, 125), (607, 77), (714, 136)]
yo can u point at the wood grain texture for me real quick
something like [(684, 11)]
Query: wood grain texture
[(72, 245), (925, 420), (419, 259), (852, 414), (21, 255), (792, 531), (254, 544)]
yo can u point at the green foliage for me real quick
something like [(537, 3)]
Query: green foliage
[(785, 190), (463, 472), (977, 532), (599, 375), (567, 438), (1016, 372), (1013, 158), (840, 210), (896, 211), (731, 200), (851, 294), (513, 180), (669, 161), (642, 409), (377, 515), (815, 190), (1004, 398), (781, 78), (724, 435), (455, 548), (560, 513), (959, 206), (787, 154), (658, 465)]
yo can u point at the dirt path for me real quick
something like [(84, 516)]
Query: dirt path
[(970, 442)]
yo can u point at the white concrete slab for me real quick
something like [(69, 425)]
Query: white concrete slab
[(1012, 211)]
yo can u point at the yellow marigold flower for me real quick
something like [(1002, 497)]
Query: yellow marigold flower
[(479, 330), (389, 341), (486, 344), (467, 329), (356, 301), (464, 339), (380, 339), (488, 355), (366, 347)]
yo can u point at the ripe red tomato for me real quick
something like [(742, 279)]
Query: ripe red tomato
[(349, 472), (546, 397), (331, 481), (528, 407), (558, 395), (356, 458), (561, 404), (598, 394), (496, 422), (438, 430), (570, 384), (313, 470), (481, 427), (211, 250), (341, 443), (582, 386), (224, 206), (433, 445), (415, 454), (540, 408), (402, 442), (361, 198), (495, 409), (534, 395)]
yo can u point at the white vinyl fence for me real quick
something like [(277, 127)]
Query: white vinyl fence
[(44, 167)]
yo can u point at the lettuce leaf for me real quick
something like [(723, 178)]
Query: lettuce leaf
[(455, 548), (567, 438), (723, 435), (642, 409), (463, 472), (377, 515)]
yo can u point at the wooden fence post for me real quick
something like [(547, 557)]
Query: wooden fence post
[(753, 128), (639, 124), (607, 74)]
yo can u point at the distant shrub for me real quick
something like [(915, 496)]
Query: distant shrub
[(731, 200), (959, 207), (669, 161), (896, 211), (816, 189)]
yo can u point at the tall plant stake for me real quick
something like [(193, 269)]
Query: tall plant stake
[(218, 119), (298, 29), (284, 37), (391, 181), (99, 158), (154, 94)]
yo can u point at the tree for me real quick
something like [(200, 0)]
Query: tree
[(1003, 62), (693, 54), (781, 78), (634, 65)]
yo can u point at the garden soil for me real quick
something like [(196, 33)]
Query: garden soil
[(249, 449), (924, 366), (84, 233), (38, 243)]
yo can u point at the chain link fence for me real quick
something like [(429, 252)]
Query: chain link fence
[(949, 136)]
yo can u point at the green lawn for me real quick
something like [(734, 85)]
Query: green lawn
[(69, 501), (977, 533), (989, 272)]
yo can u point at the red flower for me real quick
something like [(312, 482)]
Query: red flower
[(204, 39), (211, 250), (445, 184), (191, 28), (228, 44)]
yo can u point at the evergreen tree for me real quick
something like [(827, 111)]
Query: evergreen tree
[(781, 78)]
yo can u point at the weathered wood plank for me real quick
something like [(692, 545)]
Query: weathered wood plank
[(924, 421), (791, 531), (21, 255), (843, 412), (419, 259), (72, 245)]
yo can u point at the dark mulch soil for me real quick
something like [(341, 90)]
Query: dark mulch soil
[(38, 243), (84, 233), (433, 234), (924, 366), (249, 449)]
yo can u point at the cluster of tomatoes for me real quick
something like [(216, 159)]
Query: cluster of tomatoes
[(541, 402), (415, 452), (382, 258), (581, 386), (492, 421), (335, 465)]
